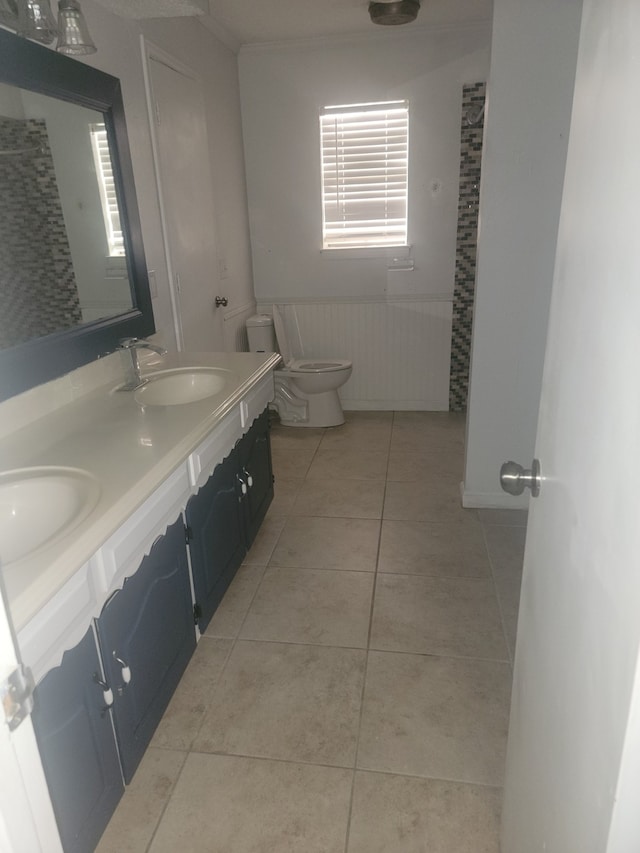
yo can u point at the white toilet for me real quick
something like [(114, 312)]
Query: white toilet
[(306, 391)]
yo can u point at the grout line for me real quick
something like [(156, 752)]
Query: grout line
[(498, 599), (168, 800), (366, 664)]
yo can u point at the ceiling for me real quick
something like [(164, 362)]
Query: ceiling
[(263, 21)]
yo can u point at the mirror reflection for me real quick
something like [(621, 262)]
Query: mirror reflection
[(62, 256)]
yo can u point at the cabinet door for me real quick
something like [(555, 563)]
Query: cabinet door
[(147, 636), (217, 546), (254, 451), (77, 746)]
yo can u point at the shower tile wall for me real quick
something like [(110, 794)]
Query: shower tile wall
[(37, 283), (465, 276)]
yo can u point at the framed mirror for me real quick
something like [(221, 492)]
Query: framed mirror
[(73, 277)]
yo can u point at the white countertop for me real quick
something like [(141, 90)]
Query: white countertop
[(130, 451)]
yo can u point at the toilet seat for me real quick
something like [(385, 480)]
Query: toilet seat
[(301, 365)]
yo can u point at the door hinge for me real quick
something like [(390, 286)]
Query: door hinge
[(16, 693), (197, 613), (188, 533)]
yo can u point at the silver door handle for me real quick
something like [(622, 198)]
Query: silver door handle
[(514, 479)]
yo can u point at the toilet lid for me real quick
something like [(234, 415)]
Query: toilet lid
[(281, 335)]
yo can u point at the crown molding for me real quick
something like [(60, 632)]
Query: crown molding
[(380, 34)]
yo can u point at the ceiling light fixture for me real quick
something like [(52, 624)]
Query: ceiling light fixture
[(394, 12)]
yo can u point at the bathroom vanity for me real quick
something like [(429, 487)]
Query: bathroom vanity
[(108, 609)]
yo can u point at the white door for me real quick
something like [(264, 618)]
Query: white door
[(27, 823), (183, 173), (573, 765)]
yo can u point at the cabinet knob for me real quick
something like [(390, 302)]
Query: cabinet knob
[(243, 485), (249, 478)]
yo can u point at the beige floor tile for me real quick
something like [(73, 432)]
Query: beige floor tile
[(412, 467), (398, 814), (361, 428), (439, 550), (340, 498), (439, 717), (135, 820), (290, 464), (225, 804), (302, 439), (311, 606), (285, 493), (298, 703), (438, 616), (328, 543), (181, 721), (426, 432), (505, 546), (265, 542), (233, 608), (508, 590), (348, 464), (435, 501)]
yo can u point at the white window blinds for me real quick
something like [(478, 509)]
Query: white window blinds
[(106, 184), (364, 175)]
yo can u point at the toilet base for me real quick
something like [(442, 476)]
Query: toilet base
[(298, 409)]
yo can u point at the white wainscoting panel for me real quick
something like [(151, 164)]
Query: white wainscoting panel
[(400, 349), (234, 329)]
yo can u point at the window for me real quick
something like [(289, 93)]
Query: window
[(364, 175), (104, 170)]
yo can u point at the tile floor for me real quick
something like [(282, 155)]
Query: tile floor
[(351, 693)]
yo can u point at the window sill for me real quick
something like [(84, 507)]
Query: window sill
[(367, 253)]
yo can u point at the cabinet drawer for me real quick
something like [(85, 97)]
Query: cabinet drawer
[(223, 439), (214, 448), (124, 551), (256, 401), (61, 624)]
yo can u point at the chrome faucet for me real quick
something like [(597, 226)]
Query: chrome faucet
[(132, 345)]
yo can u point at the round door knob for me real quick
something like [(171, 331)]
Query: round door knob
[(514, 479), (221, 300)]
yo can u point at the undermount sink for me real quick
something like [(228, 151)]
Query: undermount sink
[(185, 385), (37, 505)]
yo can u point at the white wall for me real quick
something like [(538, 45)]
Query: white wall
[(283, 87), (119, 53), (533, 59)]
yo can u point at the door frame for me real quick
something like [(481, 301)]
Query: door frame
[(151, 51)]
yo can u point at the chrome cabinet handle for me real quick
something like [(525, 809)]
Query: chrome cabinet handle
[(126, 673), (514, 479), (243, 485), (249, 477), (107, 693)]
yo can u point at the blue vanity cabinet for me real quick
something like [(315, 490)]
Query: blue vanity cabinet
[(77, 745), (256, 472), (215, 526), (146, 635)]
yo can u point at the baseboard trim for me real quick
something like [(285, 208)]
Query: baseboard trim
[(492, 500), (391, 406)]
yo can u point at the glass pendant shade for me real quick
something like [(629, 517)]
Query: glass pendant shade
[(73, 34), (36, 21)]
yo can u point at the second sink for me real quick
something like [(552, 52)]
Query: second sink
[(180, 386), (39, 504)]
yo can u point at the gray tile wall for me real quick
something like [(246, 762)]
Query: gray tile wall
[(37, 283), (465, 276)]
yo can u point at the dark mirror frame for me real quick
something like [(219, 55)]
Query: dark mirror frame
[(38, 69)]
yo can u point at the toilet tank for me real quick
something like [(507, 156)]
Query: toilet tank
[(260, 333)]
